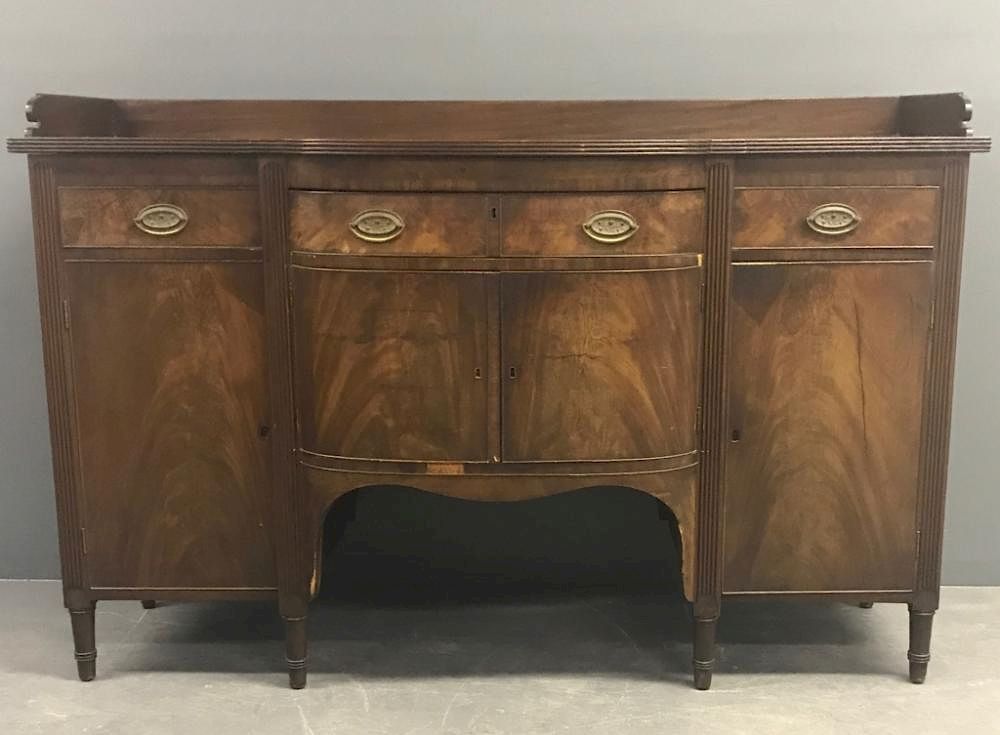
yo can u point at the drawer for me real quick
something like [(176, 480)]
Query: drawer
[(392, 224), (638, 223), (129, 216), (904, 216)]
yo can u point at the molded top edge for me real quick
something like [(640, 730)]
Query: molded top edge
[(614, 126)]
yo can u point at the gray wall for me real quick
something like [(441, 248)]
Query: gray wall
[(512, 49)]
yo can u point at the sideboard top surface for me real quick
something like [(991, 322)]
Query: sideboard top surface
[(915, 123)]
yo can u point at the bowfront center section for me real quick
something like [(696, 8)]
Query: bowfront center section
[(498, 346)]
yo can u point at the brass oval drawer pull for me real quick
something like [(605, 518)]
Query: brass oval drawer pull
[(377, 225), (833, 219), (610, 226), (161, 219)]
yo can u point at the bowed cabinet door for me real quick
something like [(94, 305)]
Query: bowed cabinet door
[(169, 386), (392, 365), (600, 366), (826, 376)]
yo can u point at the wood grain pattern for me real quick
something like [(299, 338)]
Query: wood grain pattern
[(845, 170), (551, 224), (104, 217), (386, 364), (197, 172), (170, 394), (435, 224), (804, 456), (605, 364), (478, 173), (825, 373), (776, 217), (62, 115), (488, 120)]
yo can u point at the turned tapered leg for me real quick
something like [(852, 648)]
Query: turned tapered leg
[(920, 644), (866, 605), (148, 604), (85, 650), (704, 651), (295, 651)]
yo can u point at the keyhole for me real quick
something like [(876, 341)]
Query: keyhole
[(736, 435), (513, 373), (477, 374)]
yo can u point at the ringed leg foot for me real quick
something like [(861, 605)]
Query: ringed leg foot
[(295, 651), (866, 605), (148, 604), (919, 654), (704, 652), (84, 647)]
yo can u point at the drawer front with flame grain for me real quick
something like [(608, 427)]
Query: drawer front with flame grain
[(814, 217), (167, 217), (391, 224), (637, 223)]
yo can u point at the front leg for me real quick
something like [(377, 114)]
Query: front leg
[(295, 651), (704, 651), (919, 653), (85, 649)]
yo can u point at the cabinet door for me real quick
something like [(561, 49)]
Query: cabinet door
[(826, 376), (168, 374), (391, 365), (600, 366)]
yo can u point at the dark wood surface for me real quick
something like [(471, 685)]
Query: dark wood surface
[(784, 395), (600, 366), (889, 216), (937, 390), (826, 370), (713, 408), (169, 385), (572, 149), (522, 174), (58, 386), (61, 115), (434, 224), (552, 224), (713, 127), (391, 365), (98, 217)]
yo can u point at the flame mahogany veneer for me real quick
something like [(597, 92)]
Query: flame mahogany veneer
[(745, 309)]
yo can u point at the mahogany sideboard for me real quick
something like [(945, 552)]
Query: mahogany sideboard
[(745, 309)]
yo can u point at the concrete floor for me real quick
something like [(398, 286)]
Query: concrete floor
[(576, 663)]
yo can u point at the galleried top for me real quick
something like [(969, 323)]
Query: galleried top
[(917, 123)]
